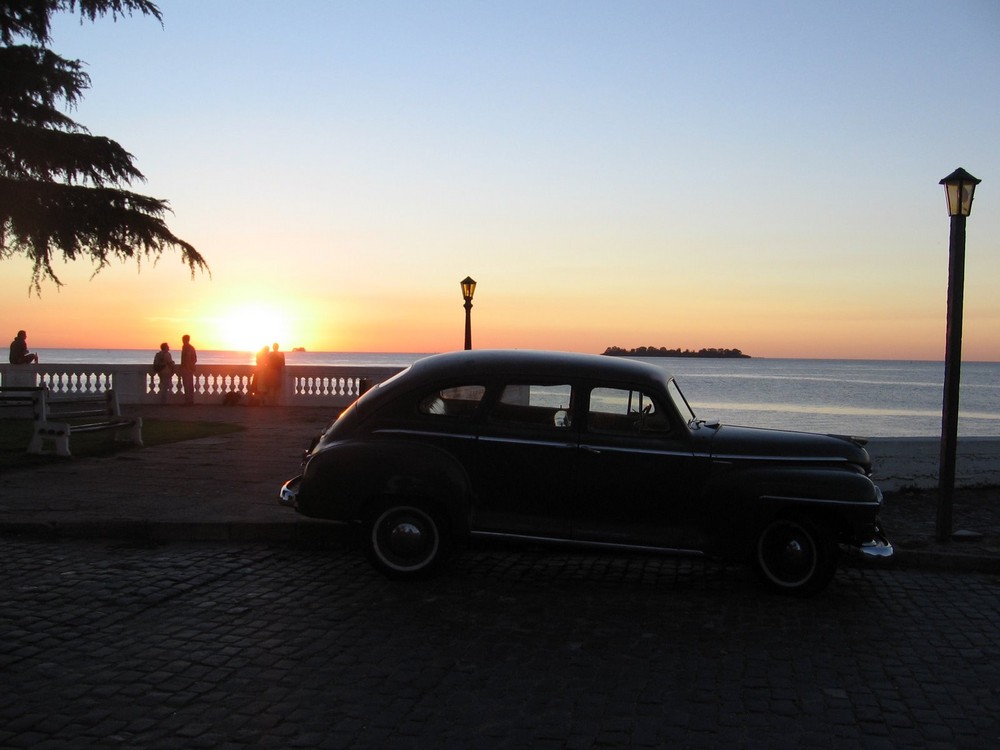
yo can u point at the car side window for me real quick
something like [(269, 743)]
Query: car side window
[(460, 401), (534, 405), (625, 411)]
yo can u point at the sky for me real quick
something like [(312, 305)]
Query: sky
[(752, 175)]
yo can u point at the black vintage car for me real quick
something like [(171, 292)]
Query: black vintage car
[(601, 452)]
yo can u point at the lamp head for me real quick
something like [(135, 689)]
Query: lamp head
[(468, 287), (959, 190)]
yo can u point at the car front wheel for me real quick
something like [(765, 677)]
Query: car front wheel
[(405, 541), (795, 557)]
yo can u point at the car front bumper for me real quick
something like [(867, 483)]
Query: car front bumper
[(879, 547)]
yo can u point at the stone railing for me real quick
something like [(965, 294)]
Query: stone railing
[(302, 385)]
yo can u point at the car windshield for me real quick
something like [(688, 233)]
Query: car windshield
[(680, 403)]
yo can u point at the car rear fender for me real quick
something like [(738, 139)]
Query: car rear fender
[(353, 477)]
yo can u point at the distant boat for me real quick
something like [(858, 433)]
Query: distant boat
[(298, 349)]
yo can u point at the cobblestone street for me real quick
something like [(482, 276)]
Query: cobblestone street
[(208, 645)]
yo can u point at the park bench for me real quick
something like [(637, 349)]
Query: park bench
[(20, 396), (58, 417)]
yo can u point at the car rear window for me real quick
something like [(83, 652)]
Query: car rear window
[(457, 401)]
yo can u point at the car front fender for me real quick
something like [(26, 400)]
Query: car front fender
[(845, 501)]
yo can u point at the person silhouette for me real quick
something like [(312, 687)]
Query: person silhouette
[(258, 382), (163, 366), (189, 358), (275, 373), (19, 354)]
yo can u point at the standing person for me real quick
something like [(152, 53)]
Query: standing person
[(258, 383), (163, 366), (189, 358), (275, 373), (19, 354)]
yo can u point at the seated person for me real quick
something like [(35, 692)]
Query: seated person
[(19, 354)]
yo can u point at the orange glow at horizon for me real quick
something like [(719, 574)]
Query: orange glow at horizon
[(123, 309), (248, 327)]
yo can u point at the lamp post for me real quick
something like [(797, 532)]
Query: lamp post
[(468, 289), (960, 187)]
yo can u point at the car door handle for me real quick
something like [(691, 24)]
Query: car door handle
[(590, 449)]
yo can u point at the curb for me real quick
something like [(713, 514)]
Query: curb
[(920, 559), (955, 561), (305, 533), (316, 533)]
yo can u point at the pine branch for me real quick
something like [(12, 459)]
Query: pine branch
[(43, 220), (39, 154), (34, 80), (61, 188), (30, 18)]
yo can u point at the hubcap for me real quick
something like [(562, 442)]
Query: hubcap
[(793, 554), (787, 554), (406, 539)]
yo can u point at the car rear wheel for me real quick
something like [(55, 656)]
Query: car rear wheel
[(795, 557), (405, 541)]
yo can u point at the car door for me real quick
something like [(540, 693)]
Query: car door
[(637, 478), (525, 455)]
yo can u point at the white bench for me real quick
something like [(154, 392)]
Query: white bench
[(56, 418)]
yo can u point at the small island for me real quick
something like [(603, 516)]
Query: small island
[(652, 351)]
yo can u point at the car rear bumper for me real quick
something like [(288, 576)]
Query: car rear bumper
[(288, 495)]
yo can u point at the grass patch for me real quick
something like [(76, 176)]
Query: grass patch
[(163, 431), (15, 434)]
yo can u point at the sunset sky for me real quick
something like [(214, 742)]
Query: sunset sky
[(753, 175)]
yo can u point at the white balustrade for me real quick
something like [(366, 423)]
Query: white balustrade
[(302, 385)]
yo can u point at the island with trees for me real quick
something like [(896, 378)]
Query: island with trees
[(652, 351)]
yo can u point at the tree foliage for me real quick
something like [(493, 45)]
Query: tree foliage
[(63, 191)]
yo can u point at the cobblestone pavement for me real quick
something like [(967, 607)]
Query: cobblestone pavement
[(218, 645)]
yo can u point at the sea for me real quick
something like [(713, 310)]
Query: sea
[(866, 398)]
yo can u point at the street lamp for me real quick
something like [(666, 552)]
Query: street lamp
[(468, 289), (960, 188)]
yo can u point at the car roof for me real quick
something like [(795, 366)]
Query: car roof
[(533, 363)]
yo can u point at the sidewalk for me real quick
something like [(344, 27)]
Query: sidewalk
[(225, 488), (216, 488)]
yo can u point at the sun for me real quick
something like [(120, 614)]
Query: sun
[(249, 327)]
